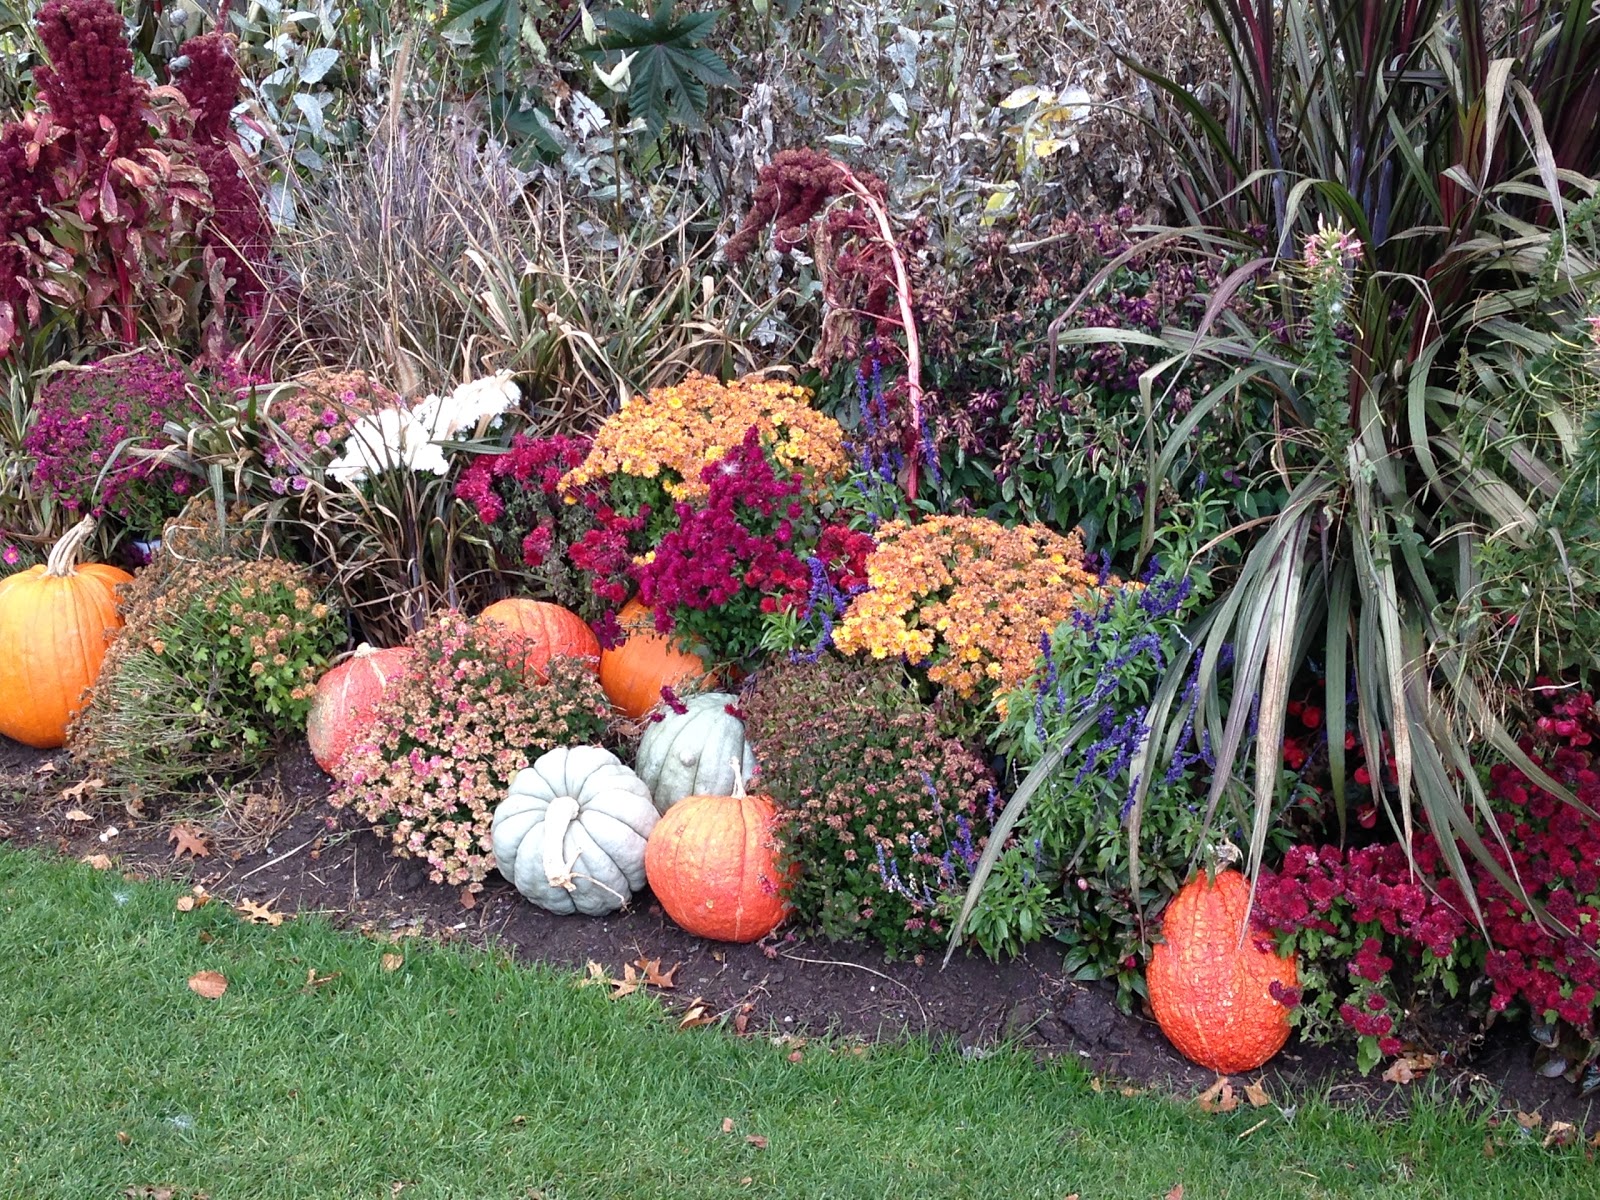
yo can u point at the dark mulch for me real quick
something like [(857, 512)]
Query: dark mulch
[(277, 842)]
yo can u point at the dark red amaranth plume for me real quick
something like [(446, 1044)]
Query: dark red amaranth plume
[(860, 262), (89, 84), (210, 83)]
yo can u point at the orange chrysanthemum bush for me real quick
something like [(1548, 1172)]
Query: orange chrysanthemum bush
[(450, 733), (705, 501), (670, 435), (967, 598)]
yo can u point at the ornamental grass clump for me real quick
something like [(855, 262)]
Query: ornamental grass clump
[(215, 667), (884, 817), (450, 733), (967, 598)]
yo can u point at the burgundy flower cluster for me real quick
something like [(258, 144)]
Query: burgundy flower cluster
[(137, 174), (1359, 911), (238, 233), (84, 419), (1354, 915), (1554, 850), (517, 495), (88, 84), (742, 555)]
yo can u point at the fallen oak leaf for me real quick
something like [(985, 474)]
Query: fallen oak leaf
[(1257, 1095), (314, 981), (1176, 1193), (197, 898), (1529, 1121), (77, 816), (756, 1140), (1219, 1097), (727, 1124), (695, 1014), (189, 841), (627, 985), (392, 962), (1408, 1067), (77, 790), (46, 768), (655, 976), (594, 973), (100, 862), (1562, 1133), (209, 984), (258, 914)]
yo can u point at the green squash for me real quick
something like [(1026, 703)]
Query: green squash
[(692, 753)]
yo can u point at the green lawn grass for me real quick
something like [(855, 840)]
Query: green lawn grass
[(464, 1075)]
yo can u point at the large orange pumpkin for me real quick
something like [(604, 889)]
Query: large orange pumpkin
[(1212, 994), (548, 630), (634, 673), (342, 710), (712, 862), (55, 623)]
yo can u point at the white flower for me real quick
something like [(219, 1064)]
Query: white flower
[(387, 440), (469, 407)]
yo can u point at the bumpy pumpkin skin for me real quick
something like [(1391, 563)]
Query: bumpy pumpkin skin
[(56, 622), (1211, 995), (634, 673), (571, 833), (692, 753), (713, 865), (347, 695), (548, 631)]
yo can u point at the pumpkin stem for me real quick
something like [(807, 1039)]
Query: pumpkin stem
[(63, 559), (562, 812)]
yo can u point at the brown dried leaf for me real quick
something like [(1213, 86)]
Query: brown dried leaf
[(1257, 1095), (122, 1137), (258, 914), (797, 1056), (1529, 1120), (392, 962), (78, 816), (1408, 1067), (627, 985), (756, 1140), (594, 973), (46, 768), (741, 1019), (314, 981), (655, 976), (469, 899), (190, 841), (696, 1014), (100, 862), (209, 984), (1176, 1193), (1219, 1097), (727, 1124), (197, 898), (1562, 1133), (77, 791)]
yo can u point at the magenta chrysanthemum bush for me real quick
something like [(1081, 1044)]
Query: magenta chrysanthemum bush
[(449, 735), (87, 419)]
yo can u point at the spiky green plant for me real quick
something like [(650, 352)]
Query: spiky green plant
[(1459, 149)]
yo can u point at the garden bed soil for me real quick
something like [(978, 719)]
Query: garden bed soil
[(276, 842)]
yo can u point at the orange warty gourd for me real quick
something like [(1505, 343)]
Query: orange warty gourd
[(712, 862), (347, 695), (55, 623), (548, 630), (1212, 996), (634, 673)]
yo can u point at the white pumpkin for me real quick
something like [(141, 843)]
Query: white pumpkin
[(571, 833), (692, 753)]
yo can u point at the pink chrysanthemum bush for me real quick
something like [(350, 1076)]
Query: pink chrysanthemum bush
[(449, 735)]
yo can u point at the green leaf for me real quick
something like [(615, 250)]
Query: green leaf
[(671, 70)]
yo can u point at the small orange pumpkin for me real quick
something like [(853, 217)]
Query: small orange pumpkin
[(712, 862), (1212, 995), (347, 695), (548, 630), (55, 623), (634, 673)]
